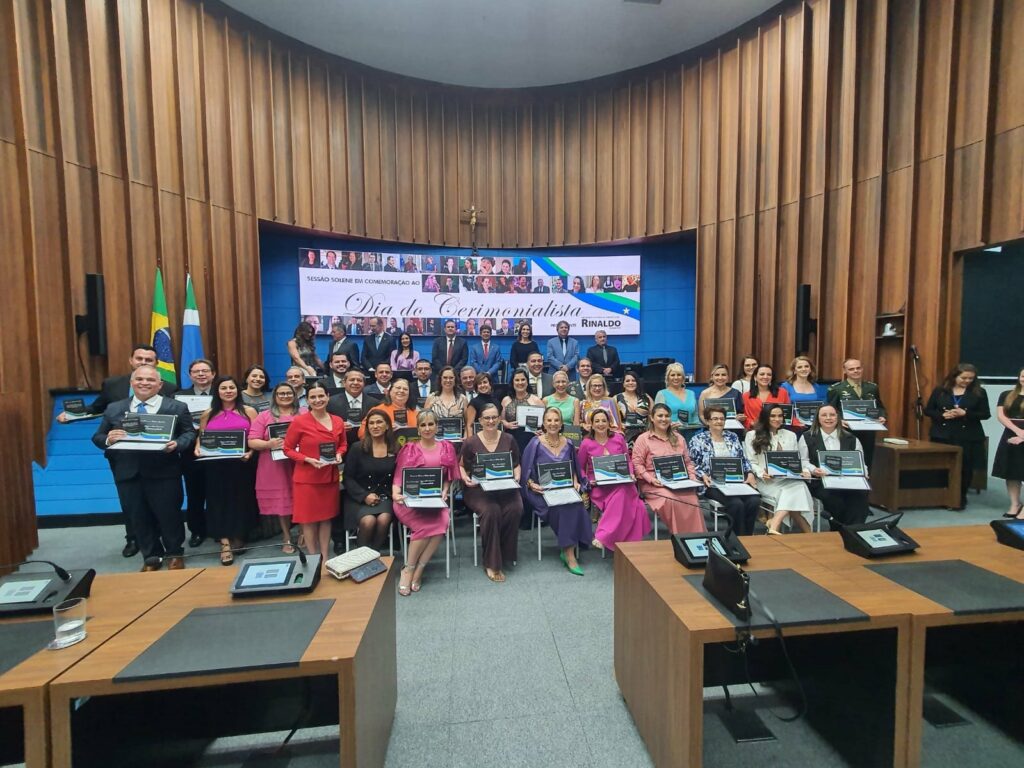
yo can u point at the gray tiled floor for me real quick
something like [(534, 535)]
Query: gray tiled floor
[(514, 674)]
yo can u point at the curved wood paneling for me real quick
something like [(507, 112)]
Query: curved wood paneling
[(848, 144)]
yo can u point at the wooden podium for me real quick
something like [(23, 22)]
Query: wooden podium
[(919, 474)]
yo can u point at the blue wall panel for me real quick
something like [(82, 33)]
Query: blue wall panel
[(667, 298)]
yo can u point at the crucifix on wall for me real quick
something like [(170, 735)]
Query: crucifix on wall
[(473, 216)]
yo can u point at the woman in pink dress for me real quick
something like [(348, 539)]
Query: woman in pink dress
[(274, 477), (623, 515), (428, 526), (680, 509)]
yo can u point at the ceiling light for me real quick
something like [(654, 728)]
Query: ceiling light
[(994, 249)]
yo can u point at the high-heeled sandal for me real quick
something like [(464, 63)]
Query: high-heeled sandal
[(227, 557), (288, 548), (406, 589), (416, 585)]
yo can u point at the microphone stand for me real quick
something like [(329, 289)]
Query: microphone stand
[(918, 403)]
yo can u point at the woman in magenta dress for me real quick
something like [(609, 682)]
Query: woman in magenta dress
[(315, 493), (274, 478), (428, 526), (623, 515), (230, 483)]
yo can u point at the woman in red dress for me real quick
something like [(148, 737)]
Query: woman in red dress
[(310, 440)]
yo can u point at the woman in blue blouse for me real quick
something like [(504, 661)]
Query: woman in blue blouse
[(680, 401), (802, 387), (713, 442)]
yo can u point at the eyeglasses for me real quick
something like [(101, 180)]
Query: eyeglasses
[(488, 418)]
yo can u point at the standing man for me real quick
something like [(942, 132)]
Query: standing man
[(485, 357), (117, 388), (202, 374), (584, 370), (448, 350), (421, 385), (604, 358), (377, 346), (853, 387), (382, 382), (340, 365), (563, 353), (341, 343), (149, 482), (541, 383)]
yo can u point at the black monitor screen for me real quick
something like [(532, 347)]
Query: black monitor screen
[(1017, 526), (257, 575)]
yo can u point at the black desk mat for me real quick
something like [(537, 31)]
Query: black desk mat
[(232, 638), (962, 587), (793, 599), (20, 640)]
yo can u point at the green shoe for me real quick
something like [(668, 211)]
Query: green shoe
[(577, 571), (564, 559)]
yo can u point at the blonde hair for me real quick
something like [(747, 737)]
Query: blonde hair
[(812, 376), (1016, 392), (591, 380), (675, 368)]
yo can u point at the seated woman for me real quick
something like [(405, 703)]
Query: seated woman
[(562, 400), (396, 405), (634, 406), (570, 522), (315, 479), (427, 526), (595, 398), (681, 402), (763, 390), (484, 395), (447, 402), (274, 478), (717, 442), (623, 515), (680, 509), (718, 388), (844, 506), (369, 474), (790, 496), (499, 511)]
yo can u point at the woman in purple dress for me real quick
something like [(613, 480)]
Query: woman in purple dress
[(428, 526), (570, 522), (274, 477), (623, 515)]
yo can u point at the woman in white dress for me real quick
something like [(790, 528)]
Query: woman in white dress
[(790, 496)]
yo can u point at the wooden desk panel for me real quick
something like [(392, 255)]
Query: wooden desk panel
[(355, 643), (890, 461), (115, 602)]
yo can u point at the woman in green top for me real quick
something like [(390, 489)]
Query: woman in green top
[(562, 400)]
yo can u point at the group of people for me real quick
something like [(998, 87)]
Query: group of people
[(340, 420)]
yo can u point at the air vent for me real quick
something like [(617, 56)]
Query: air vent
[(643, 2)]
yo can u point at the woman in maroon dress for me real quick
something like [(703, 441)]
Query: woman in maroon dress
[(309, 442)]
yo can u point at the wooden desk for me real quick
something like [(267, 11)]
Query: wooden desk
[(115, 602), (355, 644), (662, 625), (893, 468)]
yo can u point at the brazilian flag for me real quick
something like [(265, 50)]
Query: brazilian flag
[(160, 328)]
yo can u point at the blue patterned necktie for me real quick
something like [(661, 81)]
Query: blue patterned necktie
[(140, 408)]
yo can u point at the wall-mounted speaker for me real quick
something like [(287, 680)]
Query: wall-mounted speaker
[(805, 325), (94, 322)]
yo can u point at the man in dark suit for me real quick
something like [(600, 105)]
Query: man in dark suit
[(485, 357), (377, 346), (381, 382), (117, 388), (604, 358), (448, 350), (341, 343), (541, 384), (149, 482), (202, 373), (540, 287), (390, 266), (422, 383), (584, 370), (339, 365)]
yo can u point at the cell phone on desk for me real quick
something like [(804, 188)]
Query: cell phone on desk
[(367, 571)]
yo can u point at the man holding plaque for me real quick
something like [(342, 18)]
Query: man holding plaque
[(148, 479), (853, 387)]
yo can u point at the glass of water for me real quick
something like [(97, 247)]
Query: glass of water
[(69, 622)]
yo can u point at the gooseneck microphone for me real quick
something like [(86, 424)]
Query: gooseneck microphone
[(913, 352), (62, 574)]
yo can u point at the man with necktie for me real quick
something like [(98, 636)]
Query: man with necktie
[(485, 357), (604, 358), (563, 353), (149, 481), (421, 385), (541, 384), (378, 345), (448, 350)]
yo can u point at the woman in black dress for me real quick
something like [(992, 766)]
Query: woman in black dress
[(369, 474), (956, 409), (523, 346), (1009, 463)]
